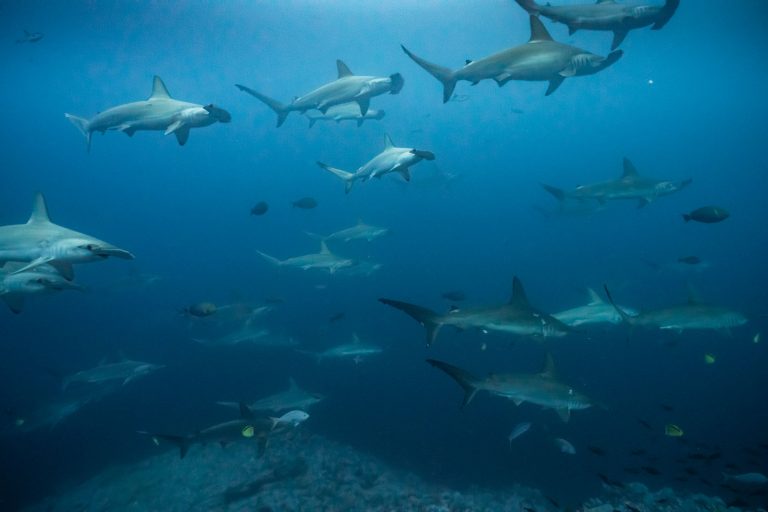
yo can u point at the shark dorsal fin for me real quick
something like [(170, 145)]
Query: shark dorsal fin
[(245, 412), (629, 169), (324, 248), (538, 30), (343, 69), (159, 91), (594, 298), (292, 383), (549, 368), (519, 298), (388, 142), (39, 210)]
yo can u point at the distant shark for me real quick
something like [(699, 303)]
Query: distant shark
[(323, 260), (344, 112), (30, 37), (347, 88), (357, 351), (360, 231), (44, 279), (391, 159), (158, 112), (631, 186), (124, 370), (292, 398), (515, 317), (540, 60), (40, 242), (596, 311), (693, 315), (606, 15), (542, 389)]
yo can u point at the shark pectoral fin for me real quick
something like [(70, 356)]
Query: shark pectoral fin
[(15, 302), (64, 268), (405, 173), (618, 38), (364, 104), (33, 264), (128, 379), (569, 71), (127, 129), (360, 122), (565, 414), (572, 29), (644, 201), (517, 401), (554, 84), (182, 135), (173, 127), (502, 78)]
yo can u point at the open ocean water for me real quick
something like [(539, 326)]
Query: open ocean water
[(686, 102)]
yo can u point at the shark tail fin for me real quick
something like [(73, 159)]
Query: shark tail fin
[(623, 314), (281, 110), (444, 75), (558, 193), (466, 380), (82, 125), (348, 177), (670, 6), (270, 259), (182, 442), (529, 5), (424, 316)]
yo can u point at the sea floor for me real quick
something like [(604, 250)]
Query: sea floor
[(306, 472)]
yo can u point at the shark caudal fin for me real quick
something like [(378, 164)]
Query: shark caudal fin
[(281, 110), (466, 380), (347, 177), (529, 5), (670, 6), (270, 259), (623, 314), (558, 193), (426, 317), (83, 125), (444, 75), (183, 442)]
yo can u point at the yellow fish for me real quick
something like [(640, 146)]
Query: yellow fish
[(709, 359), (247, 431), (673, 431)]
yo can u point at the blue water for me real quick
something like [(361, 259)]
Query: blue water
[(470, 220)]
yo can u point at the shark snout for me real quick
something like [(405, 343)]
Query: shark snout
[(426, 155), (397, 82), (218, 113)]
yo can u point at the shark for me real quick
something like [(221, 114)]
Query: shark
[(160, 112), (44, 279), (292, 398), (357, 351), (693, 315), (541, 59), (247, 427), (249, 335), (344, 112), (347, 88), (543, 389), (631, 186), (30, 37), (606, 15), (391, 159), (360, 231), (515, 317), (40, 242), (596, 311), (124, 370), (324, 260)]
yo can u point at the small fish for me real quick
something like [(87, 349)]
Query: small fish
[(260, 208), (709, 359), (707, 215), (305, 203), (672, 430), (631, 508), (456, 295), (645, 423), (565, 446), (336, 317), (596, 450), (692, 471), (638, 451), (200, 310), (651, 470), (689, 260), (460, 98), (610, 482), (667, 408), (553, 501), (520, 429), (517, 111)]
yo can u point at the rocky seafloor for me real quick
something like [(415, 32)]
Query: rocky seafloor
[(306, 472)]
